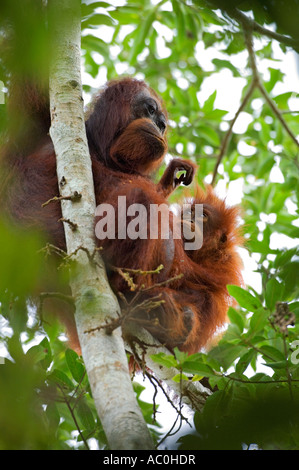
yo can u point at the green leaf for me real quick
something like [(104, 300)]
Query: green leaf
[(244, 298), (285, 256), (290, 277), (125, 15), (97, 20), (275, 76), (221, 64), (90, 8), (282, 99), (208, 105), (75, 366), (94, 44), (212, 18), (13, 276), (258, 321), (59, 377), (244, 361), (208, 134), (265, 167), (271, 353), (36, 353), (215, 114), (178, 377), (273, 293), (193, 367), (53, 415), (194, 25), (276, 365), (85, 415), (46, 362), (180, 356), (236, 318), (226, 353), (257, 246), (143, 31), (164, 359), (179, 18)]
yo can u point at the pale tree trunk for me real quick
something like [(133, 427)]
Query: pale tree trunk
[(103, 354)]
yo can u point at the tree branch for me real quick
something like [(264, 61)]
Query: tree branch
[(104, 354), (228, 134)]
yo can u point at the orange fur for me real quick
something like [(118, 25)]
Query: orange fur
[(126, 144)]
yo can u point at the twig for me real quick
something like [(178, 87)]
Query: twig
[(73, 197), (154, 380), (49, 249), (228, 134), (290, 111), (66, 400), (91, 256), (143, 273), (68, 221), (147, 304), (163, 283), (126, 276), (179, 415), (277, 112)]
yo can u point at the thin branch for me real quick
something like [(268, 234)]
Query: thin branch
[(50, 249), (228, 134), (68, 221), (155, 380), (290, 111), (277, 112), (67, 402), (73, 197), (143, 273)]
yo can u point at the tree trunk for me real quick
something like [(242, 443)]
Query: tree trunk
[(103, 354)]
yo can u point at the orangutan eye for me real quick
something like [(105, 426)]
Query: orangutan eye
[(223, 238), (151, 109)]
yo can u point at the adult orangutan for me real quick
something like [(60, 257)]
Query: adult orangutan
[(126, 131)]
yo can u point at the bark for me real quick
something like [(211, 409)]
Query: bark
[(103, 354)]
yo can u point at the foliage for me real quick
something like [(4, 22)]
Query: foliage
[(253, 372), (45, 396), (185, 50)]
